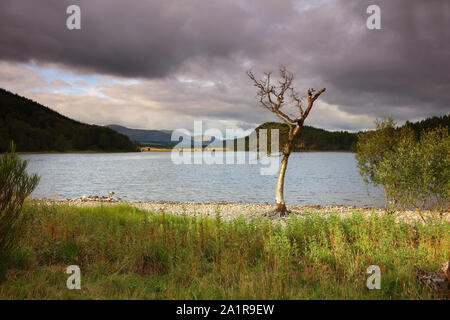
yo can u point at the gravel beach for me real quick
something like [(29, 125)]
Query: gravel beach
[(229, 211)]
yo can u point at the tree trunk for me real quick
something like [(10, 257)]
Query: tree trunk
[(279, 197)]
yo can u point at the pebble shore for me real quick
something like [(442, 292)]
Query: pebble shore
[(229, 211)]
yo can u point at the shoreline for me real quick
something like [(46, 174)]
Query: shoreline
[(230, 210)]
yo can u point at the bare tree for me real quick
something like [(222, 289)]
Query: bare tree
[(272, 97)]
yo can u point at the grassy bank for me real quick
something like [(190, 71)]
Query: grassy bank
[(125, 253)]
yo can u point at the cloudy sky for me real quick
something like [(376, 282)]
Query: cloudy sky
[(163, 64)]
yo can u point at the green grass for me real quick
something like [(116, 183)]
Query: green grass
[(125, 253)]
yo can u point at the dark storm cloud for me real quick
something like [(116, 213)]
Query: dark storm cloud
[(400, 70), (127, 38)]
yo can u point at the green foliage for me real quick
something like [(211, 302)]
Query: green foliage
[(414, 171), (372, 147), (15, 186), (34, 127), (126, 253)]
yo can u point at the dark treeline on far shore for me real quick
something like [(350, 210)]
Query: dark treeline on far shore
[(429, 124), (314, 139), (36, 128)]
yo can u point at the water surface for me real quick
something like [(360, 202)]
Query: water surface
[(324, 178)]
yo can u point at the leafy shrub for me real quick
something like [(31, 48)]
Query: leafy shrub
[(372, 147), (15, 186), (414, 172)]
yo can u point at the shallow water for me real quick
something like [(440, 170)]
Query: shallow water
[(325, 178)]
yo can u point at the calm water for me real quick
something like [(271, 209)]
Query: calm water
[(323, 178)]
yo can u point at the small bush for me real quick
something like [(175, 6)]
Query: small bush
[(414, 172), (15, 186)]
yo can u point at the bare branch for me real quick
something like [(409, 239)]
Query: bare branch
[(311, 98), (273, 97), (297, 100)]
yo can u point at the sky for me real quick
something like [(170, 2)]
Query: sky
[(165, 64)]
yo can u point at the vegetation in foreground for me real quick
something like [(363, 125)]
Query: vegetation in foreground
[(15, 186), (125, 253)]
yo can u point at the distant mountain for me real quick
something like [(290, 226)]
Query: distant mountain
[(34, 127), (139, 135), (155, 138), (308, 139)]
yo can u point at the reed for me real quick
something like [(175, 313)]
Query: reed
[(126, 253)]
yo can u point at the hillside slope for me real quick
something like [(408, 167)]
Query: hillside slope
[(157, 138), (34, 127), (139, 135), (312, 139)]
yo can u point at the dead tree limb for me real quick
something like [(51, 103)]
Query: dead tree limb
[(275, 98)]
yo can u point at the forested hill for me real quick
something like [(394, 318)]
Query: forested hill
[(314, 139), (429, 123), (34, 127)]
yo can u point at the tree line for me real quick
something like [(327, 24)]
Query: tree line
[(315, 139), (34, 128)]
